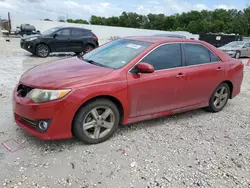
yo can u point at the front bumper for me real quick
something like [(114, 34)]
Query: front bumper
[(60, 114), (28, 45), (231, 53)]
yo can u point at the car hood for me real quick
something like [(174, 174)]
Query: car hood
[(229, 48), (31, 36), (62, 73)]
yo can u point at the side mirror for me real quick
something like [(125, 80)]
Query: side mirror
[(55, 35), (145, 68)]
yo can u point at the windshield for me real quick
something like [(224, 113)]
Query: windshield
[(50, 31), (116, 54), (235, 44)]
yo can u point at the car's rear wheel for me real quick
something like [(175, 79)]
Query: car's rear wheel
[(88, 48), (219, 98), (96, 122), (237, 55), (42, 50)]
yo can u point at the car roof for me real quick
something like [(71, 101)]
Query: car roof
[(70, 27), (157, 39)]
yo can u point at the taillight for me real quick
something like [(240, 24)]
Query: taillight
[(95, 38)]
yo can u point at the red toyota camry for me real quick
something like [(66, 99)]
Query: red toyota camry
[(124, 81)]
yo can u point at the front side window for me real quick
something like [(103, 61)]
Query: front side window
[(50, 31), (165, 57), (116, 54), (64, 32), (247, 45), (196, 54)]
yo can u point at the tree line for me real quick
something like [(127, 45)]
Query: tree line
[(196, 22)]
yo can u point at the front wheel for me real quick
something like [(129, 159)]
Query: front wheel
[(219, 98), (96, 122), (42, 50), (237, 55)]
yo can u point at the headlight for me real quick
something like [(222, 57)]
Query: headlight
[(231, 52), (40, 95), (30, 39)]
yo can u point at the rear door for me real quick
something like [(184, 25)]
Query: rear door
[(161, 90), (205, 72), (77, 39), (61, 42)]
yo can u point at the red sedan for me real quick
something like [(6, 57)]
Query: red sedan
[(121, 82)]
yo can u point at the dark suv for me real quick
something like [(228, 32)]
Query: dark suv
[(60, 39)]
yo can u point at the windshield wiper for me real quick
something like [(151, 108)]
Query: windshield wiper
[(92, 62)]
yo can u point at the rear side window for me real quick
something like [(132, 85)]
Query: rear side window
[(165, 57), (77, 32), (81, 32), (213, 57), (196, 54)]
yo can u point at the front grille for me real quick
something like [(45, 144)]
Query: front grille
[(23, 90)]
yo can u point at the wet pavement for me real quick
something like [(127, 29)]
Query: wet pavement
[(192, 149)]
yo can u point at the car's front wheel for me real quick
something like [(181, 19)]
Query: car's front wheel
[(219, 98), (96, 122), (237, 55), (42, 50)]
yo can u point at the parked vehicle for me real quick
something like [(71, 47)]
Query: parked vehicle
[(26, 29), (121, 82), (237, 49), (219, 39), (60, 39), (171, 35)]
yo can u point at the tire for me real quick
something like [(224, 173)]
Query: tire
[(237, 55), (77, 53), (90, 129), (42, 50), (88, 48), (221, 95)]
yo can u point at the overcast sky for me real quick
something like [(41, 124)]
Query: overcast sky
[(53, 9)]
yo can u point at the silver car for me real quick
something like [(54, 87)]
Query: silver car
[(237, 49)]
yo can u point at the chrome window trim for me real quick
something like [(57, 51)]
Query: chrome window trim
[(185, 66)]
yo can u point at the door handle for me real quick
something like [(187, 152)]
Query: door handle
[(180, 75), (219, 69)]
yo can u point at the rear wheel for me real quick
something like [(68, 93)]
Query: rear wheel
[(96, 122), (219, 98), (88, 48), (42, 50)]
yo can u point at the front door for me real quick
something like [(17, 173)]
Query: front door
[(61, 42), (159, 91), (204, 72)]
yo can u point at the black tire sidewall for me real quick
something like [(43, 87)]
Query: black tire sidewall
[(236, 55), (87, 46), (39, 54), (80, 116), (211, 102)]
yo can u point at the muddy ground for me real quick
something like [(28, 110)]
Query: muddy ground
[(192, 149)]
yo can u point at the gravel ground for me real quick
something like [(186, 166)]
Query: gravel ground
[(192, 149)]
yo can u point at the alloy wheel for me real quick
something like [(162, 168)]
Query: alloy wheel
[(98, 122), (220, 97), (42, 50)]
